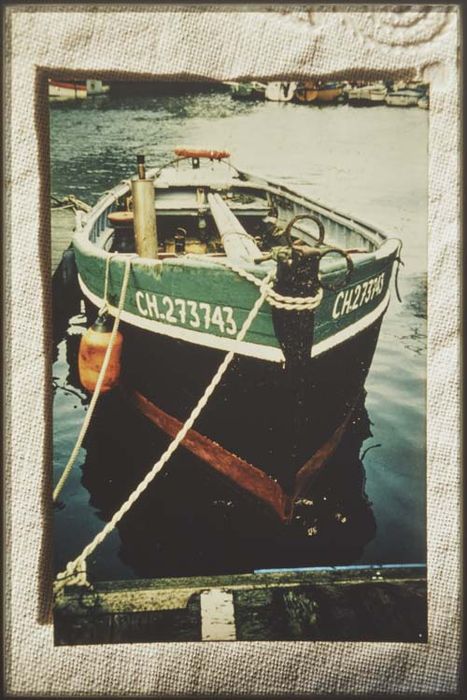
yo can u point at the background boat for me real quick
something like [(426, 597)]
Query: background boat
[(407, 94), (280, 91), (403, 98), (306, 92), (76, 90), (367, 95), (253, 90), (67, 90), (329, 92)]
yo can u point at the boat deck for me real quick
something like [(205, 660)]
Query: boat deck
[(185, 202)]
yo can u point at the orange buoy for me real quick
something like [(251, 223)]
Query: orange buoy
[(92, 349)]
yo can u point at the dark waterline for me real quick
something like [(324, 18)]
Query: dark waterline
[(369, 162)]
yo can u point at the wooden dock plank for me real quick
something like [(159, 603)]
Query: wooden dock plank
[(301, 613), (387, 604), (257, 614)]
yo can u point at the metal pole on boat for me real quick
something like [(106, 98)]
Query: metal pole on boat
[(144, 212)]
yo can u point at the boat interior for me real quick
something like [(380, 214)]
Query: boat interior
[(202, 211)]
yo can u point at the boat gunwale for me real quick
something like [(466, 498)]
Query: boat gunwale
[(82, 236), (248, 348)]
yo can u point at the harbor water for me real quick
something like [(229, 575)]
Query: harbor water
[(369, 508)]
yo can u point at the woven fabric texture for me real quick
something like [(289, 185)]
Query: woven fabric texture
[(270, 42)]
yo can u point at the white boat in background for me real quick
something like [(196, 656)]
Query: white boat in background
[(403, 98), (76, 89), (280, 91), (368, 95), (253, 90)]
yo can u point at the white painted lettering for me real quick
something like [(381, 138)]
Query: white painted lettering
[(355, 297), (186, 311), (347, 302), (358, 290), (139, 297), (151, 302), (335, 311)]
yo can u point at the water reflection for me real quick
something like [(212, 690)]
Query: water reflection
[(191, 521), (416, 299), (414, 337)]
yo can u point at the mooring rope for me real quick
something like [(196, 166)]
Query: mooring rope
[(97, 390), (70, 202), (75, 571), (273, 298)]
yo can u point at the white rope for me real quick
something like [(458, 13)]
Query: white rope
[(101, 377), (74, 569), (273, 298)]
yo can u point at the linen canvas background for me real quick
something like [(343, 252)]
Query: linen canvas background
[(219, 42)]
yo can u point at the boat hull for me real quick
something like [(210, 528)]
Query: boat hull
[(273, 417), (306, 93), (329, 94), (309, 92), (359, 101), (207, 305), (62, 90), (306, 96), (246, 91), (395, 100), (191, 520), (368, 96), (280, 92)]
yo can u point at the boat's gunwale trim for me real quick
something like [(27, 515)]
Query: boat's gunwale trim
[(368, 231), (339, 217), (261, 352)]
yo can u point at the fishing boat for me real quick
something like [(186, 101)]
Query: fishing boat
[(280, 91), (253, 90), (319, 92), (367, 96), (330, 92), (306, 92), (405, 97), (218, 260), (60, 90)]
